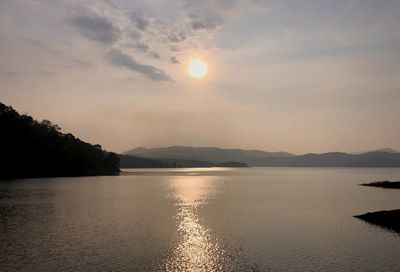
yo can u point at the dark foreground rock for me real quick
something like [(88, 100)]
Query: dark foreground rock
[(386, 219), (384, 184)]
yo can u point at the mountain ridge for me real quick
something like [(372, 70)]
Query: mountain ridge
[(213, 154), (264, 158)]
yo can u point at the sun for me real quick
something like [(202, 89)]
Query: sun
[(197, 68)]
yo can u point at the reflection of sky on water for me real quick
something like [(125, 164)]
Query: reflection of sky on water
[(198, 249), (256, 219)]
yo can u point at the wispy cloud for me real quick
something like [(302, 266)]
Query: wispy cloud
[(141, 20), (104, 31), (97, 28), (142, 47), (118, 58), (209, 22)]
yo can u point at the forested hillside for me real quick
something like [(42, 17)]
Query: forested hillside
[(30, 148)]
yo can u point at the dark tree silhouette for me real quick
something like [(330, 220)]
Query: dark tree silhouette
[(136, 162), (38, 149)]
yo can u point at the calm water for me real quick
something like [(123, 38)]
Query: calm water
[(256, 219)]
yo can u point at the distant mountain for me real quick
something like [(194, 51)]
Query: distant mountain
[(333, 159), (263, 158), (388, 150), (210, 154)]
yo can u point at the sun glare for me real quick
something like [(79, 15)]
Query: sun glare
[(197, 68)]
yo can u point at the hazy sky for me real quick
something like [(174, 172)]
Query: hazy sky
[(299, 76)]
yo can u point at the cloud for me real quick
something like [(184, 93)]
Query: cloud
[(207, 15), (155, 55), (141, 20), (177, 36), (97, 28), (112, 4), (121, 59), (174, 60), (134, 34), (142, 47), (209, 22)]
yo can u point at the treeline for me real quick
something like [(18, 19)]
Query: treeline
[(38, 149), (128, 161), (136, 162)]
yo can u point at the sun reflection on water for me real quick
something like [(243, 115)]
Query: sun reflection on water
[(198, 249)]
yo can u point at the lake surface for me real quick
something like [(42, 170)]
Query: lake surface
[(212, 219)]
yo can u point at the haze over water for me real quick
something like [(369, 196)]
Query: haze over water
[(256, 219)]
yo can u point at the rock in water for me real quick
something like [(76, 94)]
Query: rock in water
[(386, 219)]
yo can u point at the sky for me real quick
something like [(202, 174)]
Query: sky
[(298, 76)]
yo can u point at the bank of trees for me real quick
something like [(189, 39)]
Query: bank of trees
[(29, 148)]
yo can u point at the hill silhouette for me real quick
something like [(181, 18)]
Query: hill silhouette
[(30, 148), (127, 161), (209, 154), (388, 150), (263, 158)]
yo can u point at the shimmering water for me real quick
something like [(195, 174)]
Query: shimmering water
[(256, 219)]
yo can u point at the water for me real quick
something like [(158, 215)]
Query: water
[(256, 219)]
